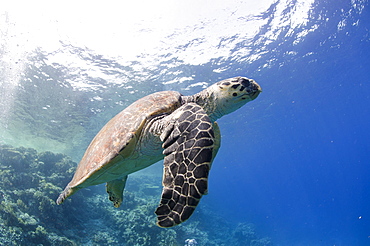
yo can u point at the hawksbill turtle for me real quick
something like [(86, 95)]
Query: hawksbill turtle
[(182, 130)]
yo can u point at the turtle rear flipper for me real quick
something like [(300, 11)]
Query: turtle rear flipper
[(188, 144), (68, 191), (115, 190)]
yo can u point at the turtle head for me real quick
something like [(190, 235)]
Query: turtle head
[(227, 96)]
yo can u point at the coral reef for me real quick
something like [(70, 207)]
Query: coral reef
[(245, 234), (31, 181)]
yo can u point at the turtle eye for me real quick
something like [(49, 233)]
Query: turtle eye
[(235, 94)]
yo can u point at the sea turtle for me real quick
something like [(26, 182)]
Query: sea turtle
[(164, 125)]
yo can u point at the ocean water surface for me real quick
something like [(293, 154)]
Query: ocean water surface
[(293, 168)]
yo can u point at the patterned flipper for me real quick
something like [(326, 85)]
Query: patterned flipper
[(188, 144)]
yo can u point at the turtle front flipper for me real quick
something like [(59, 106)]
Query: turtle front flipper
[(188, 143), (115, 190)]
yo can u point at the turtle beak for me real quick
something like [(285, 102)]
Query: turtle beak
[(249, 87), (255, 91)]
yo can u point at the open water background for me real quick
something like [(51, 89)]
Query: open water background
[(295, 162)]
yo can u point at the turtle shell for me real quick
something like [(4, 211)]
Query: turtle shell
[(117, 139)]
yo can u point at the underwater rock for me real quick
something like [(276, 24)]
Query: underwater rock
[(190, 242)]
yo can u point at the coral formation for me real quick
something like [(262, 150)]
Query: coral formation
[(30, 182)]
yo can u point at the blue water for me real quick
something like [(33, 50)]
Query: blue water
[(294, 162)]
